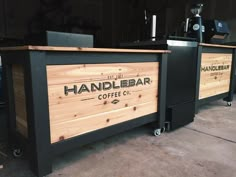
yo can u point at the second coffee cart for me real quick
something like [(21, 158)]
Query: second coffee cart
[(215, 73)]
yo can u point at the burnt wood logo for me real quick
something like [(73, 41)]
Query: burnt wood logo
[(215, 68), (115, 101), (105, 86)]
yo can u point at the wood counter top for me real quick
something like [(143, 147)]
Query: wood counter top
[(80, 49), (217, 45)]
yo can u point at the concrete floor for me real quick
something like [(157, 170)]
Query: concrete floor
[(205, 148)]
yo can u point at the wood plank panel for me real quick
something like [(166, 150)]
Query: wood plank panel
[(70, 129), (215, 74), (20, 104), (130, 85)]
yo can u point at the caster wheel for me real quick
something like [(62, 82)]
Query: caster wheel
[(229, 103), (17, 153), (158, 132)]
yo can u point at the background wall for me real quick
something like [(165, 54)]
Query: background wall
[(16, 16), (111, 21)]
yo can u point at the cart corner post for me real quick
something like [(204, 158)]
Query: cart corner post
[(9, 59), (199, 57), (162, 91), (230, 96), (9, 97), (38, 113)]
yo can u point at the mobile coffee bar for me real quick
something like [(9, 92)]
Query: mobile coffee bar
[(60, 98), (215, 73)]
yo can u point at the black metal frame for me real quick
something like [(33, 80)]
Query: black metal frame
[(228, 96), (41, 151), (181, 78)]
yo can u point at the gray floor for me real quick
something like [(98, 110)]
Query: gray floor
[(205, 148)]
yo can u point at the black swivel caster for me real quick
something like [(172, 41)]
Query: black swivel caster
[(159, 131), (229, 104), (17, 153)]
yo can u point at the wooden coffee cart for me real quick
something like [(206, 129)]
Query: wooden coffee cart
[(215, 73), (60, 98)]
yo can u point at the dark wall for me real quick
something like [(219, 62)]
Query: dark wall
[(129, 18), (2, 23), (219, 9), (111, 21), (17, 15), (20, 18)]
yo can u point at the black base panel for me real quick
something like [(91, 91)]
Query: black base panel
[(181, 78), (181, 115), (181, 75)]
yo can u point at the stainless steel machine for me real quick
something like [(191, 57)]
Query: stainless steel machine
[(150, 30)]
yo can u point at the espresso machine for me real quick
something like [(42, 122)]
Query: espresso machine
[(217, 31), (194, 27)]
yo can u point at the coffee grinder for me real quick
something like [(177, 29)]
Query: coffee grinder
[(194, 26)]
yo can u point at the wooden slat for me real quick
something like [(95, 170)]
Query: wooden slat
[(97, 72), (215, 91), (215, 82), (20, 104), (221, 74), (72, 108), (56, 93), (70, 129), (217, 45), (218, 76), (214, 85), (76, 111), (81, 49), (215, 62), (21, 127)]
